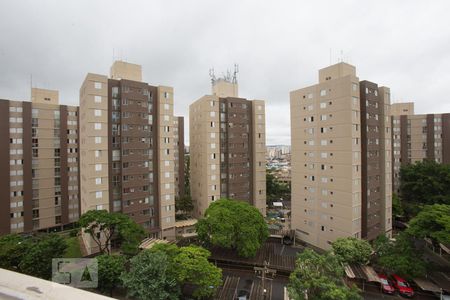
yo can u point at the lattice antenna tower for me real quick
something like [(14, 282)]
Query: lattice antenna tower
[(212, 75), (236, 70)]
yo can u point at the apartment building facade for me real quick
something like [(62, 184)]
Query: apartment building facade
[(126, 148), (39, 162), (178, 151), (330, 178), (376, 160), (417, 137), (227, 148)]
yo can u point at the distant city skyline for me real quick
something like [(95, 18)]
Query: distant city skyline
[(399, 44)]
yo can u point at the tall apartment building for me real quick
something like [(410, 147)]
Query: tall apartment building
[(38, 163), (127, 152), (227, 148), (418, 137), (337, 131), (376, 160), (178, 152)]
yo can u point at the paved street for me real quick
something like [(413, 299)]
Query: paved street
[(247, 277)]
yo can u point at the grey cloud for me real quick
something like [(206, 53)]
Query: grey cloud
[(280, 45)]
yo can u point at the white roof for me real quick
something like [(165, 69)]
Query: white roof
[(14, 285)]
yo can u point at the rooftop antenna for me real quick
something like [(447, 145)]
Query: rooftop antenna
[(236, 70), (342, 56), (212, 75)]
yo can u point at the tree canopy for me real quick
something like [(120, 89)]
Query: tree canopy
[(319, 277), (187, 174), (12, 250), (275, 189), (399, 256), (31, 255), (110, 268), (112, 225), (397, 208), (190, 265), (434, 222), (184, 204), (149, 279), (352, 250), (424, 183), (233, 224)]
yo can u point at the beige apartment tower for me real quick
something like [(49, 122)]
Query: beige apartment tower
[(127, 151), (330, 195), (227, 148), (38, 164), (418, 137)]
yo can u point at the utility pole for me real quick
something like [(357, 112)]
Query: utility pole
[(264, 271)]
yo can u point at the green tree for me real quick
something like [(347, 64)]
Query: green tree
[(233, 224), (130, 235), (434, 222), (424, 183), (148, 277), (190, 265), (110, 268), (319, 277), (397, 209), (275, 189), (184, 204), (187, 174), (12, 250), (194, 268), (40, 250), (352, 250), (103, 226), (399, 256)]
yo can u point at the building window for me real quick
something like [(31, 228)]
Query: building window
[(323, 92), (97, 113), (98, 99), (97, 85)]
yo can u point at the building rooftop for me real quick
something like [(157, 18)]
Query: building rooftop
[(184, 223)]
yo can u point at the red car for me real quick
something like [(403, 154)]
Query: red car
[(386, 286), (402, 286)]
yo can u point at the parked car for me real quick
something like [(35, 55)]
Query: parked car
[(402, 286), (386, 286)]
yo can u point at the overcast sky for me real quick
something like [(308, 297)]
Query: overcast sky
[(279, 46)]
